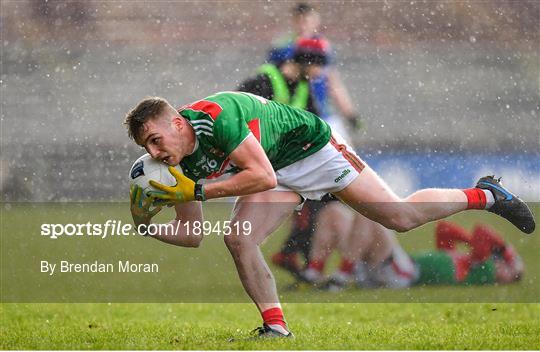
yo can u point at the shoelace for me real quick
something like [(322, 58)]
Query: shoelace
[(260, 330), (496, 179)]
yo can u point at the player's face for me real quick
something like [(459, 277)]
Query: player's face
[(167, 139), (291, 70)]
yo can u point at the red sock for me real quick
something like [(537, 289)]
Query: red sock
[(302, 219), (274, 316), (346, 266), (316, 265), (476, 198), (284, 257)]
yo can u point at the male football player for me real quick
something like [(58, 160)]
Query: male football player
[(326, 82), (380, 261), (274, 156)]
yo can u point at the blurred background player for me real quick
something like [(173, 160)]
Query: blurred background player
[(285, 79), (364, 246), (282, 80), (312, 55), (326, 83), (382, 262), (489, 259), (332, 102)]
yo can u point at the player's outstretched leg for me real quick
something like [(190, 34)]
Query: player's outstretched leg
[(508, 205), (370, 195)]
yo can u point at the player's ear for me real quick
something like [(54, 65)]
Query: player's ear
[(178, 122)]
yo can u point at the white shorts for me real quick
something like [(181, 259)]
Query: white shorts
[(329, 170)]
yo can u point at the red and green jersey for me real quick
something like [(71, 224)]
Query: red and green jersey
[(440, 267), (224, 120)]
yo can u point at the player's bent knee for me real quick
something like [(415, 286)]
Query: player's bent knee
[(401, 218), (236, 242), (400, 227), (401, 223)]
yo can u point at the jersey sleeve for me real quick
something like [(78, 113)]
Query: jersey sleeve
[(230, 129)]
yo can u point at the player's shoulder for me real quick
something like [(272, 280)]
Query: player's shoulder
[(221, 104), (235, 100), (215, 107), (225, 96), (203, 108)]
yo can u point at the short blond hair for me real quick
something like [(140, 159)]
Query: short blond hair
[(149, 108)]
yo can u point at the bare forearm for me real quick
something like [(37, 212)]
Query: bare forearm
[(176, 233), (340, 95), (245, 182)]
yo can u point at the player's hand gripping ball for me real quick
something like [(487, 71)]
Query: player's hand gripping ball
[(140, 206), (166, 185), (146, 169), (183, 191)]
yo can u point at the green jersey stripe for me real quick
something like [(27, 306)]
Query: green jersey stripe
[(205, 133), (202, 127), (202, 122)]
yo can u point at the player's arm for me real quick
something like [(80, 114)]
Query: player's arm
[(256, 175), (340, 96), (176, 231)]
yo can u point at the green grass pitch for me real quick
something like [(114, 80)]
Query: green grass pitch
[(317, 326), (444, 318)]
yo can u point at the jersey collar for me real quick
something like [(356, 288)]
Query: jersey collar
[(196, 139)]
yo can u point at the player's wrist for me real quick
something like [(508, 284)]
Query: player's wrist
[(199, 194)]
